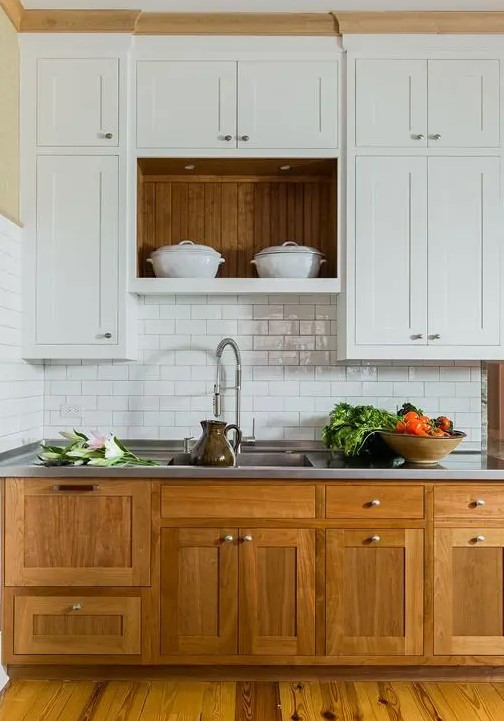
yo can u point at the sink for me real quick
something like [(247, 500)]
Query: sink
[(255, 460)]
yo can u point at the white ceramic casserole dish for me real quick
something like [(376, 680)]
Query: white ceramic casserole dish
[(185, 260), (288, 260)]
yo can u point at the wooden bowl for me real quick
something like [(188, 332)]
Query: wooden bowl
[(422, 449)]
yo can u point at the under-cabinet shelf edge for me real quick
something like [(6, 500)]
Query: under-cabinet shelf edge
[(219, 286)]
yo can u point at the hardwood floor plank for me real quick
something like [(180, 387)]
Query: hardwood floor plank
[(122, 701), (257, 700), (300, 700), (219, 702), (68, 702), (174, 701), (25, 700), (462, 702)]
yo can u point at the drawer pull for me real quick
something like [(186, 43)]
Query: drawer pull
[(228, 539), (374, 503), (374, 539), (479, 539), (478, 502), (247, 539), (76, 607), (76, 488)]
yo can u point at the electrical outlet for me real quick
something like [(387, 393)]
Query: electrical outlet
[(70, 411)]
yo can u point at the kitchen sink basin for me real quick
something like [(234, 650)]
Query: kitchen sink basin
[(256, 460)]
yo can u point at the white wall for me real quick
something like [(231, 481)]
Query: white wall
[(21, 384), (291, 377)]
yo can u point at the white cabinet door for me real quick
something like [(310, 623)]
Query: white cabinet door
[(465, 234), (77, 102), (288, 104), (464, 103), (186, 104), (391, 251), (390, 103), (76, 272)]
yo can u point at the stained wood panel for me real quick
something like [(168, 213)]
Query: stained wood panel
[(237, 209)]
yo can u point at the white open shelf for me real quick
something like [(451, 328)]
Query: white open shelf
[(220, 286)]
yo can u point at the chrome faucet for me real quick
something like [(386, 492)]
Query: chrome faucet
[(225, 342)]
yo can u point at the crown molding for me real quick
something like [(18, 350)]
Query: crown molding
[(79, 21), (435, 22), (14, 11)]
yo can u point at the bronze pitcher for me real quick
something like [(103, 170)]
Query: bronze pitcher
[(213, 448)]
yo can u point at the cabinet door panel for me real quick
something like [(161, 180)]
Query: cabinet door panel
[(199, 591), (288, 104), (464, 251), (277, 592), (464, 103), (77, 250), (82, 535), (390, 103), (77, 102), (391, 250), (186, 104), (374, 592), (468, 591)]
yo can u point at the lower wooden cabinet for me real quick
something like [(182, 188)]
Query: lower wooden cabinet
[(469, 591), (76, 625), (227, 591), (374, 592)]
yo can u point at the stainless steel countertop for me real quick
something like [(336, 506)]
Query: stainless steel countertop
[(459, 466)]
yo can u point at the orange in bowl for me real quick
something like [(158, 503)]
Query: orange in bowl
[(424, 450)]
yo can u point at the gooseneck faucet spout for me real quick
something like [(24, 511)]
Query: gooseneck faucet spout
[(225, 342)]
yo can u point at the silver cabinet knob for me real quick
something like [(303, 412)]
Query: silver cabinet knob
[(247, 539), (107, 335), (418, 136), (228, 539), (416, 336), (228, 138), (479, 502), (375, 503), (245, 138), (435, 136), (374, 539), (434, 336), (109, 136), (479, 539), (76, 607)]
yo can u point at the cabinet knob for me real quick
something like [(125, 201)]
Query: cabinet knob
[(418, 136), (374, 503), (436, 136), (479, 502), (107, 335), (479, 539), (247, 539), (245, 138), (76, 607), (374, 539), (416, 336), (228, 539), (109, 136), (434, 336), (228, 138)]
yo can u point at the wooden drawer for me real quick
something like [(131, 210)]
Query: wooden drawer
[(473, 501), (77, 625), (374, 501), (233, 501)]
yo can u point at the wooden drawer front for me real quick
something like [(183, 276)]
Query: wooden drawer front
[(62, 532), (73, 625), (231, 501), (371, 502), (476, 501)]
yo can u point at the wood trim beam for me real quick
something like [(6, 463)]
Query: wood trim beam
[(436, 22), (236, 24), (79, 21), (14, 11)]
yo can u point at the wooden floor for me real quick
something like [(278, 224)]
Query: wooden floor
[(250, 701)]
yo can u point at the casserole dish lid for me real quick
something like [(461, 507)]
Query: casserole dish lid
[(289, 247), (186, 246)]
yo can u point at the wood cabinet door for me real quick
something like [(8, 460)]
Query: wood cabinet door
[(78, 102), (390, 251), (76, 302), (464, 105), (199, 591), (186, 104), (277, 592), (61, 532), (390, 103), (374, 592), (288, 104), (469, 591), (464, 251)]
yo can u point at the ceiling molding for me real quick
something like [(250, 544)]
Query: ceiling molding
[(436, 22), (79, 21), (14, 11)]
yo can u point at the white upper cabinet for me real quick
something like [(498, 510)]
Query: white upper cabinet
[(464, 103), (390, 103), (391, 251), (77, 102), (465, 235), (76, 251), (186, 104), (288, 104), (403, 103)]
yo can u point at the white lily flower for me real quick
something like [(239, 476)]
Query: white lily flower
[(112, 450), (96, 440)]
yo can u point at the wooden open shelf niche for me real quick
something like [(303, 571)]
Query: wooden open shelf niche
[(238, 207)]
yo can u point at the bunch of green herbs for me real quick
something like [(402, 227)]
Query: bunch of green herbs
[(351, 429)]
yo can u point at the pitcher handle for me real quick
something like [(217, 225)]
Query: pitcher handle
[(234, 427)]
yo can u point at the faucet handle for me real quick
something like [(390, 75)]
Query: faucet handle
[(187, 440)]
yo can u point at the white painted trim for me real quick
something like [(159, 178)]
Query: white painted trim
[(234, 286), (10, 228)]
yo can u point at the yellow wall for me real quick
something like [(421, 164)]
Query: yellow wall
[(9, 119)]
